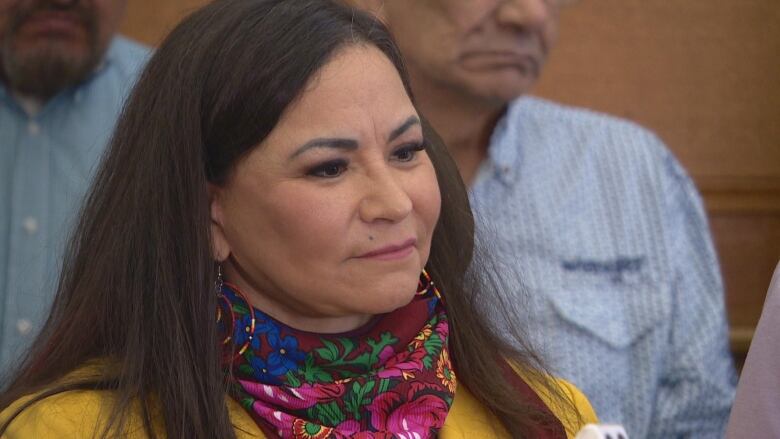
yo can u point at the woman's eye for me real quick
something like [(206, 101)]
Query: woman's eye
[(409, 152), (328, 170)]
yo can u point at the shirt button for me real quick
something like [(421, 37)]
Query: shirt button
[(33, 128), (24, 326), (30, 225)]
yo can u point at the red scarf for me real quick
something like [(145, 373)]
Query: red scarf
[(392, 378)]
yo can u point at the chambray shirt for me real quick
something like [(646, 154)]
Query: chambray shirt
[(47, 159), (610, 240)]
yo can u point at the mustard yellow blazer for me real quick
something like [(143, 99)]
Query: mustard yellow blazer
[(77, 414)]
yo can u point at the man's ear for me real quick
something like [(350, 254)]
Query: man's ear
[(220, 247), (375, 7)]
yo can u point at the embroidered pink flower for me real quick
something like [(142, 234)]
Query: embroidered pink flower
[(403, 362), (413, 418), (443, 329), (297, 398), (385, 353)]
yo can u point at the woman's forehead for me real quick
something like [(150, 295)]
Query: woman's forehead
[(359, 89)]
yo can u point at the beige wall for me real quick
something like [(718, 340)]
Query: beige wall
[(703, 74)]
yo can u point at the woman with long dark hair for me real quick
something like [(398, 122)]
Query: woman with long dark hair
[(275, 245)]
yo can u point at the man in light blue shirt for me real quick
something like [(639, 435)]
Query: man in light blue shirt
[(63, 81), (594, 213)]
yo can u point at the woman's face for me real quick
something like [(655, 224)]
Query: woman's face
[(329, 220)]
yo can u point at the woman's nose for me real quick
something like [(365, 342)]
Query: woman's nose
[(385, 198)]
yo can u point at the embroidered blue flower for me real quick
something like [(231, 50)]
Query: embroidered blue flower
[(262, 372), (266, 327), (432, 306), (242, 332), (284, 355)]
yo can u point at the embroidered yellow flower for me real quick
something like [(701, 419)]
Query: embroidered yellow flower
[(308, 430), (425, 334), (444, 371)]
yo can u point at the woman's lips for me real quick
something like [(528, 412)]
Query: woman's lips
[(391, 252)]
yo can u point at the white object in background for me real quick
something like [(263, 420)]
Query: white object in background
[(602, 431)]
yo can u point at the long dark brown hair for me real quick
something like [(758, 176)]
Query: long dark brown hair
[(136, 291)]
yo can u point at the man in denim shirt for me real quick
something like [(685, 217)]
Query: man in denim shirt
[(63, 81), (596, 215)]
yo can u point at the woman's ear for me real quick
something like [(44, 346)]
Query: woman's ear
[(220, 247)]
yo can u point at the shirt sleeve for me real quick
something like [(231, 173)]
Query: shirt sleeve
[(697, 387)]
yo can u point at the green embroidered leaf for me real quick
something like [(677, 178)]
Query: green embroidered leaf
[(348, 344), (384, 385), (433, 345), (247, 403), (344, 374), (427, 362), (247, 369), (334, 414), (329, 414), (240, 309), (385, 339), (292, 380), (315, 373), (330, 352), (351, 405), (362, 360)]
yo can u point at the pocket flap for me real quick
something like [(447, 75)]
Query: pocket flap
[(616, 314)]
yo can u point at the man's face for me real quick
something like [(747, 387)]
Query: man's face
[(489, 49), (47, 45)]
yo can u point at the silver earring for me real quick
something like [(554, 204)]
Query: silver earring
[(219, 282)]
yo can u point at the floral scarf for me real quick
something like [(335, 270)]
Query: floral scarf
[(391, 378)]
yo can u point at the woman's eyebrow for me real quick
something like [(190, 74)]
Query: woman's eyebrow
[(337, 143), (408, 123), (351, 144)]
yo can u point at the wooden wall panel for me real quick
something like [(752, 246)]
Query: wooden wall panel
[(749, 247), (703, 74), (149, 21)]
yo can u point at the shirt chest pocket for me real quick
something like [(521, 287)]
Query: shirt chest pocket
[(616, 314)]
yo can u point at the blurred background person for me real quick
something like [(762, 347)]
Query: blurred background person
[(601, 221), (63, 79), (757, 404), (276, 246)]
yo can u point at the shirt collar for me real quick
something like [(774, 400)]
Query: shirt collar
[(504, 149)]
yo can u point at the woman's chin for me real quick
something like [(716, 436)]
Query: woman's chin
[(393, 298)]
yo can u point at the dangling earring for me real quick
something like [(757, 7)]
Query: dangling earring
[(218, 290), (219, 282), (425, 285)]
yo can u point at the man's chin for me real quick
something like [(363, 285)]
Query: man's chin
[(507, 89), (45, 72)]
